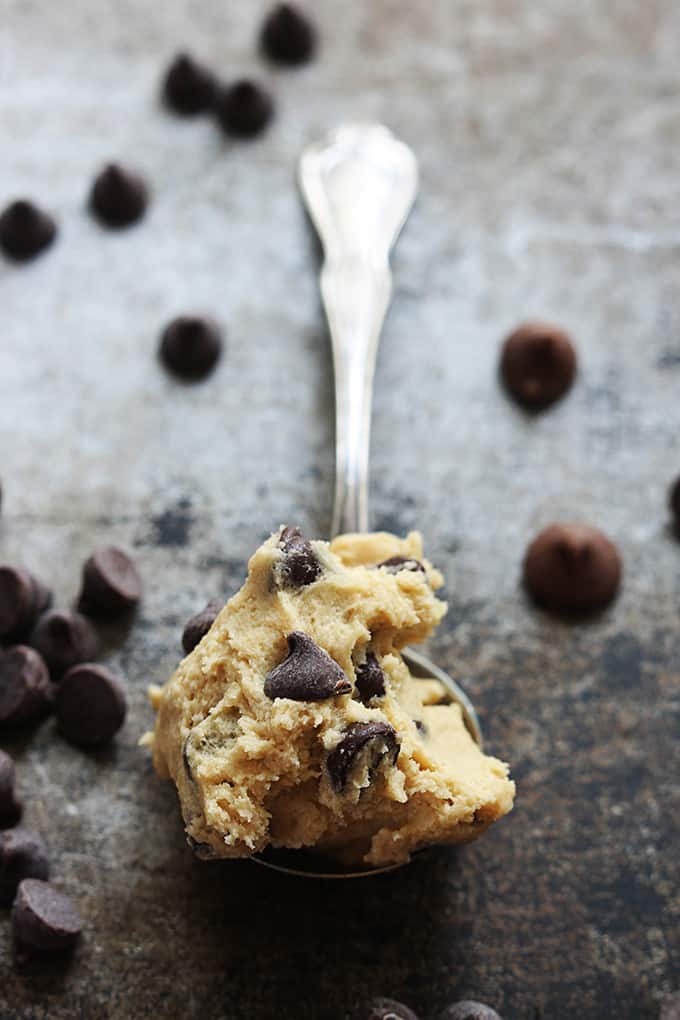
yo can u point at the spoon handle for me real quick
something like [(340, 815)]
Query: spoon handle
[(359, 185)]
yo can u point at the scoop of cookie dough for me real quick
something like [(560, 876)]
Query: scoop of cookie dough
[(296, 723)]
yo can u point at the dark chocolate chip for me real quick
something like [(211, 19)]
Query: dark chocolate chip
[(572, 567), (44, 920), (10, 806), (23, 854), (198, 625), (397, 563), (64, 638), (244, 109), (538, 364), (22, 598), (190, 347), (89, 705), (300, 566), (370, 679), (189, 87), (119, 196), (25, 230), (287, 35), (420, 726), (384, 1009), (25, 689), (469, 1010), (306, 674), (378, 738), (110, 585), (674, 502)]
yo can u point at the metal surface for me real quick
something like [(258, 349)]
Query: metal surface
[(547, 139)]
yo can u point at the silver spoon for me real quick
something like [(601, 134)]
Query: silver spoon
[(359, 184)]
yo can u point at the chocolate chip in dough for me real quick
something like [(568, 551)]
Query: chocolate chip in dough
[(190, 347), (572, 568), (119, 196), (44, 920), (199, 624), (378, 739), (25, 230), (11, 807), (23, 854), (395, 564), (25, 689), (299, 566), (89, 705), (189, 87), (287, 35), (370, 679), (384, 1009), (306, 674), (64, 638), (111, 584), (22, 598), (469, 1010), (244, 109), (538, 364)]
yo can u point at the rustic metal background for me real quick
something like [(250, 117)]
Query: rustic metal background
[(548, 136)]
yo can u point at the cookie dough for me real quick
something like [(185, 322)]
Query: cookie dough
[(296, 723)]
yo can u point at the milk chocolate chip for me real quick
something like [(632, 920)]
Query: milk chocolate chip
[(307, 673), (189, 87), (23, 854), (25, 230), (89, 705), (370, 679), (198, 625), (110, 585), (378, 739), (64, 638), (287, 35), (299, 566), (244, 109), (10, 806), (538, 364), (25, 689), (119, 196), (572, 567), (44, 920)]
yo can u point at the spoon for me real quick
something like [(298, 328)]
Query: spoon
[(358, 184)]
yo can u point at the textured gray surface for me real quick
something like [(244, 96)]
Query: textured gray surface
[(547, 136)]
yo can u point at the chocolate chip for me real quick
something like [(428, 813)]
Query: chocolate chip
[(23, 854), (64, 638), (378, 739), (572, 567), (119, 196), (469, 1010), (420, 726), (384, 1009), (89, 705), (11, 807), (370, 679), (25, 689), (190, 347), (189, 87), (244, 109), (44, 920), (110, 585), (674, 502), (299, 566), (25, 230), (538, 364), (22, 598), (287, 35), (198, 625), (202, 851), (395, 564), (307, 673)]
